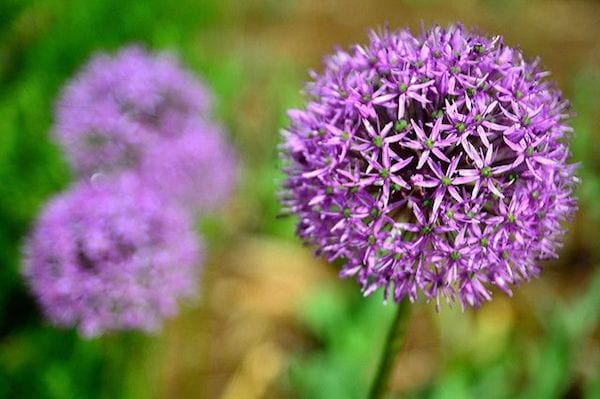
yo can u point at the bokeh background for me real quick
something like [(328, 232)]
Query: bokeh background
[(272, 321)]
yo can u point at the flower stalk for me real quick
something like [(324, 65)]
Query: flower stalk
[(393, 345)]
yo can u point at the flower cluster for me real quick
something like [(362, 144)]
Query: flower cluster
[(118, 105), (435, 164), (111, 256), (122, 112), (117, 250)]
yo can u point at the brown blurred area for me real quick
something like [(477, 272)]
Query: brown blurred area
[(235, 343), (239, 340)]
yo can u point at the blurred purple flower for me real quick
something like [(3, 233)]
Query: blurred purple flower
[(111, 256), (433, 164), (196, 170), (117, 105)]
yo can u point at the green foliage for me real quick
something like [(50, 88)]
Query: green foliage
[(350, 329)]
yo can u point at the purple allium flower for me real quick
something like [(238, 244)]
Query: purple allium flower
[(197, 170), (117, 105), (111, 256), (434, 164)]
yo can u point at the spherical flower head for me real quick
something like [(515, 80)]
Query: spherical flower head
[(196, 170), (433, 165), (111, 256), (118, 104)]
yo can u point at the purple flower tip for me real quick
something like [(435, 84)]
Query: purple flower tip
[(434, 164), (111, 256)]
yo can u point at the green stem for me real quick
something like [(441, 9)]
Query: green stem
[(392, 347)]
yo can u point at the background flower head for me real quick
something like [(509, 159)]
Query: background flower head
[(434, 163), (111, 256), (197, 170), (119, 104)]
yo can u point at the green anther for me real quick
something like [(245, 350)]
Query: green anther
[(455, 255), (375, 212), (345, 135), (471, 214), (343, 94), (511, 217), (460, 127), (418, 63), (354, 190), (479, 48), (426, 229), (400, 125), (329, 190), (486, 171), (437, 53), (484, 242), (372, 59), (512, 176), (366, 97), (471, 91), (376, 82), (456, 53), (446, 181), (384, 173), (394, 60), (371, 239), (450, 213), (334, 208), (398, 256), (505, 254), (427, 203), (402, 87), (438, 113), (381, 252), (519, 94), (535, 194), (396, 187), (455, 70), (530, 151), (347, 212), (477, 118), (377, 141), (429, 143), (526, 121), (322, 132)]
